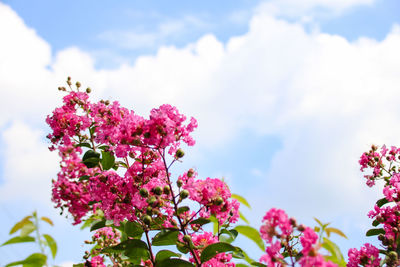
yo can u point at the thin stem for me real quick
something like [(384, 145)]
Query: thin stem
[(149, 244), (38, 234), (176, 207)]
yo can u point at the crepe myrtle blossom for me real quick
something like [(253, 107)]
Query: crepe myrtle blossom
[(368, 255), (117, 163), (278, 231)]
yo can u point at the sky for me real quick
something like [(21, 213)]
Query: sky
[(288, 94)]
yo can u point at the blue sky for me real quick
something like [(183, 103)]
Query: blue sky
[(288, 94)]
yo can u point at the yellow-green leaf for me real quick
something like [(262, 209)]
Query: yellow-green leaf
[(28, 228), (241, 200), (252, 234), (20, 224), (45, 219), (241, 216), (336, 231), (19, 239), (51, 243)]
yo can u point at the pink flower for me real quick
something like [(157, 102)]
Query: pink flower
[(274, 220), (308, 239), (97, 261), (368, 256)]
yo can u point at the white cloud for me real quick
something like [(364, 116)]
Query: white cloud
[(166, 30), (28, 165), (325, 97), (306, 8)]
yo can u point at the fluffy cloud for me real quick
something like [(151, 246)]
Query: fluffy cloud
[(307, 9), (28, 165), (325, 97)]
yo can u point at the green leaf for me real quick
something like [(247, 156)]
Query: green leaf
[(259, 264), (375, 223), (83, 145), (165, 238), (51, 243), (134, 249), (241, 200), (91, 162), (104, 147), (336, 231), (133, 229), (241, 265), (215, 222), (18, 239), (252, 234), (336, 254), (375, 231), (228, 235), (182, 247), (20, 224), (78, 265), (90, 154), (98, 225), (165, 254), (241, 216), (319, 222), (27, 229), (87, 223), (382, 202), (211, 250), (107, 160), (182, 209), (45, 219), (175, 263), (91, 158), (36, 259), (84, 178), (200, 221)]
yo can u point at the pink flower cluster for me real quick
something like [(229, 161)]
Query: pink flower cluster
[(214, 195), (202, 241), (367, 256), (278, 232), (140, 144), (97, 261), (117, 163)]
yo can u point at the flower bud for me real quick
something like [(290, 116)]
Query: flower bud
[(381, 237), (393, 255), (179, 183), (312, 253), (293, 222), (88, 90), (179, 154), (218, 201), (184, 194), (151, 200), (157, 190), (143, 192), (107, 102), (190, 173), (147, 219), (78, 84), (149, 210), (166, 190), (301, 227), (187, 238)]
